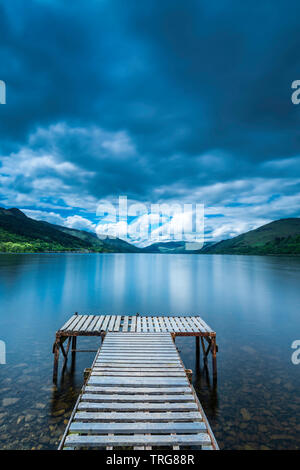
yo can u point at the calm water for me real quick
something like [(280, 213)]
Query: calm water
[(253, 303)]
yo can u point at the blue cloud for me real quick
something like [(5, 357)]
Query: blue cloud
[(178, 100)]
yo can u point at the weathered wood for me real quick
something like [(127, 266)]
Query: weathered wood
[(113, 373), (138, 427), (157, 440), (138, 390), (56, 359), (137, 396), (69, 322), (103, 368), (88, 405), (133, 398), (137, 381), (113, 416)]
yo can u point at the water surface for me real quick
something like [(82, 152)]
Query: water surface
[(252, 303)]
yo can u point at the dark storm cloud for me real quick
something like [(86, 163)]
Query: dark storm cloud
[(191, 96)]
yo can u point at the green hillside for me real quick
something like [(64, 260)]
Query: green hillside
[(281, 237), (19, 234)]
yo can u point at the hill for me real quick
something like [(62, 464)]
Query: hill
[(19, 234), (276, 238)]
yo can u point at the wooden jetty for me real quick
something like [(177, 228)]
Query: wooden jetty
[(137, 395), (99, 325)]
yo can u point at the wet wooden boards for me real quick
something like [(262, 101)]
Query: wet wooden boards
[(138, 397)]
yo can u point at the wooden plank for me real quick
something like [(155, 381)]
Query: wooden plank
[(198, 325), (136, 349), (138, 390), (137, 381), (180, 324), (175, 327), (139, 339), (68, 323), (128, 354), (136, 416), (134, 355), (157, 440), (138, 324), (163, 325), (133, 323), (144, 325), (93, 323), (104, 368), (185, 324), (111, 323), (150, 322), (168, 324), (191, 324), (112, 406), (80, 323), (142, 334), (139, 427), (125, 323), (138, 365), (105, 322), (205, 325), (87, 323), (136, 374), (118, 323), (141, 361), (138, 344), (73, 326), (99, 323), (156, 324), (103, 397)]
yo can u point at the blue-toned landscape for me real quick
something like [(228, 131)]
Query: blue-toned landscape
[(251, 302), (150, 165)]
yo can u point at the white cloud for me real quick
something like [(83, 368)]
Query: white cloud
[(51, 217), (49, 173), (80, 223)]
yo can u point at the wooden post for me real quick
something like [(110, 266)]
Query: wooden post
[(189, 374), (197, 353), (73, 356), (214, 356), (204, 350), (73, 350), (67, 350), (56, 358)]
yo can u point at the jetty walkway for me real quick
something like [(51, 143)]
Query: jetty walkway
[(138, 394)]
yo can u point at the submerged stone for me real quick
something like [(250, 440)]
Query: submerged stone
[(9, 401)]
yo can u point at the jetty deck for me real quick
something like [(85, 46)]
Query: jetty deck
[(137, 395), (99, 325)]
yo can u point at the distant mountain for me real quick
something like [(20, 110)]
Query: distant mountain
[(173, 247), (276, 238), (19, 233), (109, 244)]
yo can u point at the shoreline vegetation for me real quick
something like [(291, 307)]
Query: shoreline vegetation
[(22, 234), (140, 252)]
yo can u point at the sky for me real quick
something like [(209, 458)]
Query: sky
[(161, 102)]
